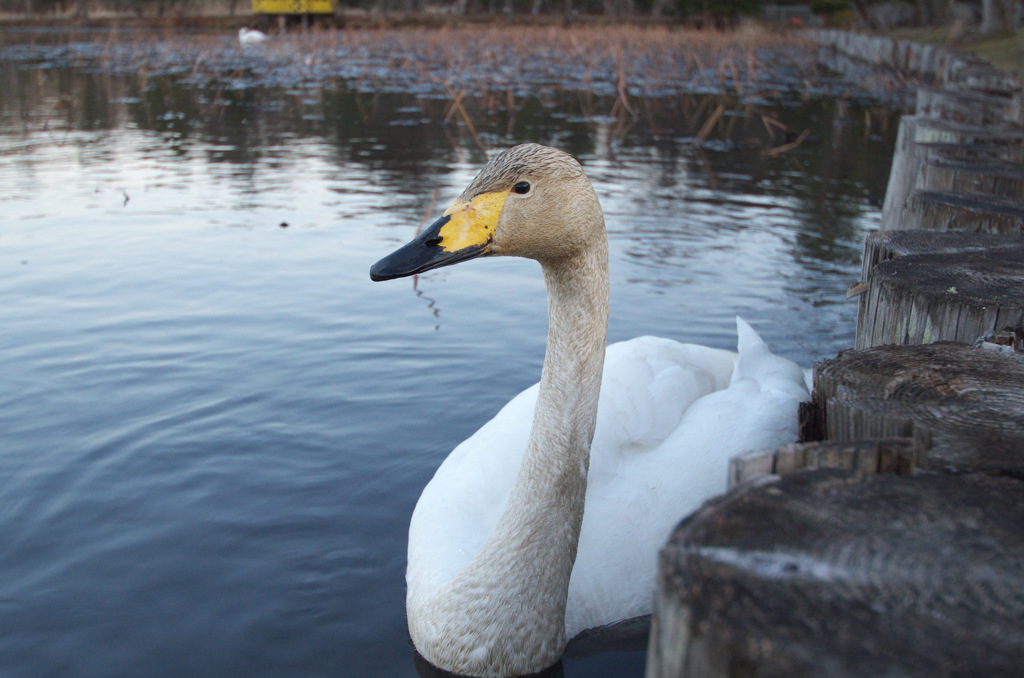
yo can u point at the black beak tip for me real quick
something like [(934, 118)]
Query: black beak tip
[(414, 257), (375, 273), (384, 270)]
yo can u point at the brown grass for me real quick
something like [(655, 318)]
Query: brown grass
[(1005, 52), (486, 71), (617, 58), (615, 52)]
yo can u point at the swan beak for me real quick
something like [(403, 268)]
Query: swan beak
[(465, 231)]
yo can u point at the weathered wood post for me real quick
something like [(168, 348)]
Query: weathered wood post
[(955, 211), (842, 574), (928, 286), (892, 455), (968, 107), (805, 570), (824, 571), (963, 406), (940, 155)]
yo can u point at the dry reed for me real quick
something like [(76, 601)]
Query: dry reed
[(702, 135), (644, 73), (620, 60)]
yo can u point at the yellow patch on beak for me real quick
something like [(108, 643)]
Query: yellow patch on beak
[(472, 223)]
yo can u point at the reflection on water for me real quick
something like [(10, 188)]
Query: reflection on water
[(214, 429)]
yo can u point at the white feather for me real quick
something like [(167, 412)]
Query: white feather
[(670, 417)]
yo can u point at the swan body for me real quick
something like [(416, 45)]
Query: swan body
[(670, 417), (248, 37), (547, 521)]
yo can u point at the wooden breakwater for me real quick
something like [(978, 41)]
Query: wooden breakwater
[(890, 541)]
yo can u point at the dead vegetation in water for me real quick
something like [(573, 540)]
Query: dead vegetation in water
[(498, 65), (607, 60), (604, 59), (622, 76)]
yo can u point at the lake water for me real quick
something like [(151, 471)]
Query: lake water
[(214, 427)]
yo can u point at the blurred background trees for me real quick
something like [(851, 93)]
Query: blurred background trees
[(981, 17)]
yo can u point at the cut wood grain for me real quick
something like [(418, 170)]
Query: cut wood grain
[(863, 456), (947, 296), (989, 175), (882, 246), (833, 573), (924, 142), (959, 211), (966, 106), (962, 406)]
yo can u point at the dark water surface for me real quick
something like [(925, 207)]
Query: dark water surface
[(213, 427)]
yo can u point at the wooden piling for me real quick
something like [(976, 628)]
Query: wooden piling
[(894, 455), (836, 573), (987, 174), (892, 545), (882, 246), (962, 406), (960, 211), (939, 155), (928, 286), (968, 107)]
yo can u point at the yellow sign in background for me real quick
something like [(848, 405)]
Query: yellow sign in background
[(292, 6)]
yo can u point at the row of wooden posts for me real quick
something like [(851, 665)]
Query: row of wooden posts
[(890, 542)]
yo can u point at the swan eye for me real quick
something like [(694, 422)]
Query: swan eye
[(522, 188)]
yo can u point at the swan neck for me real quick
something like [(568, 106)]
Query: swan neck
[(505, 611), (574, 360)]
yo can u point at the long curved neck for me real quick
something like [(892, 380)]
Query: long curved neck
[(510, 600), (545, 510), (554, 470)]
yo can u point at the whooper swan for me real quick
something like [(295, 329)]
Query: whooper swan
[(514, 547)]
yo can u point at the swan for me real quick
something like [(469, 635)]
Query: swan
[(248, 37), (530, 533)]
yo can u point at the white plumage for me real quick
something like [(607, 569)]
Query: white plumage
[(250, 38), (670, 417)]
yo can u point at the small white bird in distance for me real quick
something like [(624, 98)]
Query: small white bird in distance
[(248, 37)]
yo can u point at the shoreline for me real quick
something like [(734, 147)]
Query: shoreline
[(349, 19)]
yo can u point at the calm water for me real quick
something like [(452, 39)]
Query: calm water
[(213, 427)]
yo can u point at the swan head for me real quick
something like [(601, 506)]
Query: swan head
[(530, 201)]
